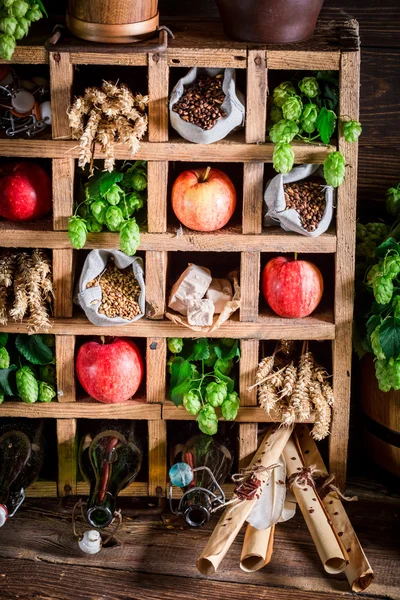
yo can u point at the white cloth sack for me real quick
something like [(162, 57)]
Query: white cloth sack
[(90, 298), (289, 220), (232, 106)]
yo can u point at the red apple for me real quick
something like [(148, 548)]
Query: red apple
[(110, 372), (25, 192), (292, 288), (203, 199)]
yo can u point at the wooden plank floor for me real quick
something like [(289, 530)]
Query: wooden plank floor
[(156, 559)]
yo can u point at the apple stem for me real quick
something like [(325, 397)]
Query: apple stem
[(103, 339), (295, 256), (206, 174)]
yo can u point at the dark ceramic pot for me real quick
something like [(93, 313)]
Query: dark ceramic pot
[(269, 21)]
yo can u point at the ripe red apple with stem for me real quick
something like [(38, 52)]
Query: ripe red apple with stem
[(110, 371), (203, 199), (25, 192), (293, 288)]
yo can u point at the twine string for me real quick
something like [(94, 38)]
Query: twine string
[(323, 485)]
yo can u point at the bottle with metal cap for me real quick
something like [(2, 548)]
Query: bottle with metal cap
[(21, 459), (109, 459), (200, 467)]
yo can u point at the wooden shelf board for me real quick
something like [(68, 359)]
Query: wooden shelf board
[(40, 234), (319, 326), (81, 410), (246, 414), (137, 488), (42, 489)]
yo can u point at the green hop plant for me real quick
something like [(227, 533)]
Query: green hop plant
[(191, 402), (376, 344), (283, 158), (83, 211), (383, 375), (99, 210), (114, 218), (47, 373), (377, 231), (2, 396), (93, 226), (114, 195), (366, 249), (275, 114), (134, 201), (77, 232), (139, 181), (4, 358), (393, 200), (8, 25), (292, 108), (228, 342), (224, 366), (391, 266), (175, 345), (361, 232), (46, 392), (309, 117), (207, 420), (309, 87), (129, 237), (7, 46), (351, 131), (282, 93), (230, 406), (27, 386), (334, 169), (34, 13), (22, 28), (396, 307), (19, 8), (283, 132), (216, 393), (383, 289)]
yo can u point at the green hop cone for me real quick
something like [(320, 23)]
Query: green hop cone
[(114, 218), (47, 373), (395, 372), (77, 232), (139, 181), (114, 195), (376, 344), (49, 340), (93, 226), (211, 359), (34, 13), (19, 8), (175, 345), (8, 25), (391, 266), (361, 232), (228, 342), (83, 211), (309, 87), (351, 131), (383, 375), (282, 93), (99, 210), (216, 393), (334, 169), (4, 358), (129, 237), (134, 201), (377, 231), (22, 29), (191, 402), (292, 108), (396, 307), (224, 366), (230, 407), (383, 289), (46, 392), (283, 132), (283, 158), (309, 117), (393, 200), (7, 46), (275, 114), (207, 420), (8, 3), (2, 396), (366, 249), (27, 386)]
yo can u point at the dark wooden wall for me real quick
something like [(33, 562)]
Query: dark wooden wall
[(379, 165)]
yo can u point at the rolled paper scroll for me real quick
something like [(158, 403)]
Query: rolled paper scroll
[(257, 548), (237, 512), (358, 572), (330, 549)]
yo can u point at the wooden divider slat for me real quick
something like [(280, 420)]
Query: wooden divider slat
[(63, 173), (248, 368), (67, 459), (156, 359), (253, 189), (256, 100), (63, 282), (247, 443), (249, 285), (65, 368), (157, 457), (157, 173), (61, 81), (156, 281), (158, 97)]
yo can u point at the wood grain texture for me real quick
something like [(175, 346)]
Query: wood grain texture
[(253, 197), (111, 12), (63, 174), (157, 458), (249, 358), (157, 173), (63, 282), (67, 459), (65, 368), (42, 489), (248, 443), (249, 285), (156, 281), (246, 414), (156, 360), (82, 410), (136, 489), (303, 60), (256, 101), (344, 274), (158, 97), (61, 80)]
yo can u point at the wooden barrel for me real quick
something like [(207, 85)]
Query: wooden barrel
[(381, 419), (113, 21)]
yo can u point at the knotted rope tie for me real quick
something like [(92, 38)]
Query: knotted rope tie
[(252, 470), (327, 486), (323, 485)]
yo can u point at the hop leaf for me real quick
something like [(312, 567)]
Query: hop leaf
[(192, 402), (77, 232), (309, 87), (326, 123), (216, 393), (351, 130), (27, 386), (292, 108), (175, 345), (283, 132), (4, 358), (283, 92), (334, 169), (283, 158), (129, 237), (46, 392)]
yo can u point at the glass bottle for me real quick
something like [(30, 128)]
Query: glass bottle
[(200, 467), (109, 460), (21, 459)]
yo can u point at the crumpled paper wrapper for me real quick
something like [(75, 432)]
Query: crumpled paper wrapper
[(257, 548), (218, 320)]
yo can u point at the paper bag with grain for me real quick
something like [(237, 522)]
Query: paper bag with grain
[(358, 572), (330, 549), (238, 511)]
